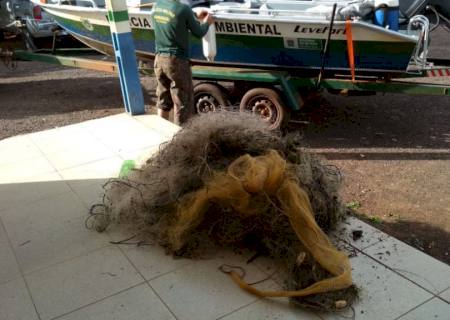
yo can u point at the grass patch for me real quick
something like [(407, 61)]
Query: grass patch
[(376, 220), (353, 205)]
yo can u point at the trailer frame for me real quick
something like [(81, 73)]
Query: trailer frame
[(284, 91)]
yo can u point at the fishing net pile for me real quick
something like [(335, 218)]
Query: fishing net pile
[(226, 180)]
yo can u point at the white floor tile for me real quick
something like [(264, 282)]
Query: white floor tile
[(152, 261), (75, 156), (164, 127), (200, 291), (114, 123), (50, 231), (118, 125), (119, 232), (276, 308), (123, 142), (102, 169), (25, 170), (75, 283), (370, 235), (61, 139), (412, 264), (68, 130), (42, 135), (70, 146), (90, 194), (140, 156), (446, 295), (435, 309), (42, 186), (87, 180), (383, 294), (17, 149), (137, 303), (9, 269), (15, 302)]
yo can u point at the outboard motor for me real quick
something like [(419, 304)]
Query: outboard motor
[(387, 14)]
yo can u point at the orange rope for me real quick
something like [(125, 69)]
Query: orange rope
[(351, 53)]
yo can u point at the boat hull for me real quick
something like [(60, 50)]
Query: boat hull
[(271, 44)]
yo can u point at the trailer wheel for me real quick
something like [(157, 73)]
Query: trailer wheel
[(209, 97), (267, 104)]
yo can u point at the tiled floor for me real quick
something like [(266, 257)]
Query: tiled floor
[(51, 267)]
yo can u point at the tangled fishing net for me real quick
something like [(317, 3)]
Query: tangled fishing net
[(226, 179)]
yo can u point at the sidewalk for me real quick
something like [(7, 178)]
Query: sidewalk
[(51, 267)]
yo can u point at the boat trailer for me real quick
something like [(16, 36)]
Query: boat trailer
[(272, 94)]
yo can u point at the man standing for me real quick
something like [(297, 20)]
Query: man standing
[(173, 22)]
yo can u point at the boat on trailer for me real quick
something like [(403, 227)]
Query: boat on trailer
[(281, 34)]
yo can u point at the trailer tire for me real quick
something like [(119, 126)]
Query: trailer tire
[(210, 97), (266, 103)]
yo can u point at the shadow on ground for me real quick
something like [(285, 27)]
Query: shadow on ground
[(380, 127), (29, 105), (425, 237), (49, 97)]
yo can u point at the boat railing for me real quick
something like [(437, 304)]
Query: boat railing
[(420, 53)]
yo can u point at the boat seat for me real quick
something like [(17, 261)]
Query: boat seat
[(85, 3), (317, 12), (100, 3), (409, 8), (231, 7)]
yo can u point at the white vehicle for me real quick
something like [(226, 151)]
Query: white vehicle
[(23, 16)]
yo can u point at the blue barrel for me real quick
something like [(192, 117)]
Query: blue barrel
[(387, 17)]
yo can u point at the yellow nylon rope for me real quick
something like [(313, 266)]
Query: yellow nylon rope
[(269, 174)]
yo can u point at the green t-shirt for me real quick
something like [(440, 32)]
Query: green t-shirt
[(172, 22)]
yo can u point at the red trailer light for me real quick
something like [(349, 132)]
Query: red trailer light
[(37, 13)]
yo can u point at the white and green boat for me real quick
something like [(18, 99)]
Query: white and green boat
[(282, 34)]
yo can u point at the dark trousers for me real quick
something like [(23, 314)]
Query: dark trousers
[(174, 87)]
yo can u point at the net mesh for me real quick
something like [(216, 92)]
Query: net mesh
[(240, 188), (225, 180)]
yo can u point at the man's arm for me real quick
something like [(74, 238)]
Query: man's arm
[(197, 29), (201, 14)]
